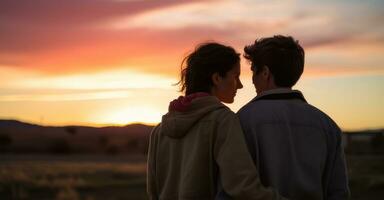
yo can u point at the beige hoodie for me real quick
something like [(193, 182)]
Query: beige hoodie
[(189, 151)]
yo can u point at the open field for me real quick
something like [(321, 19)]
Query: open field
[(72, 178), (366, 176), (97, 177)]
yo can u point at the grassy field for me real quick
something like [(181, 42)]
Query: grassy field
[(72, 178), (366, 176), (117, 177)]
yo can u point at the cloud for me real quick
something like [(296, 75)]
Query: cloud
[(35, 25), (96, 86), (111, 79), (81, 36), (72, 36), (142, 49), (73, 13)]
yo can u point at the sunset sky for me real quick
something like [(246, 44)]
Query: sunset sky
[(114, 62)]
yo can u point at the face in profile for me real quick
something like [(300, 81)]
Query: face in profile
[(260, 79), (225, 88), (257, 82)]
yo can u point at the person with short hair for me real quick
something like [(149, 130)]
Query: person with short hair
[(199, 147), (295, 146)]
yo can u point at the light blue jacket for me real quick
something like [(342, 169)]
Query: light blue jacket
[(296, 148)]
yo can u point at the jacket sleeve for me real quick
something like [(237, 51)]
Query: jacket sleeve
[(151, 167), (338, 180), (238, 174)]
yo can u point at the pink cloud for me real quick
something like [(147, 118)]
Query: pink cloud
[(74, 12), (34, 25), (70, 36)]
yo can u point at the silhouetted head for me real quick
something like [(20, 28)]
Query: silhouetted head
[(275, 61), (212, 68)]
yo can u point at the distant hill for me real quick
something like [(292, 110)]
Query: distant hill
[(20, 137), (14, 123)]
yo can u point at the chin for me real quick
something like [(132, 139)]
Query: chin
[(228, 100)]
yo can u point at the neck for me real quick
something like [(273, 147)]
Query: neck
[(274, 88)]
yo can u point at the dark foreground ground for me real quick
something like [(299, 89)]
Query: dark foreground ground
[(116, 177), (72, 177)]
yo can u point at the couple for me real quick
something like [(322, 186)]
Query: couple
[(277, 146)]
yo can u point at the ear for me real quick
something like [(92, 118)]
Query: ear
[(266, 73), (216, 79)]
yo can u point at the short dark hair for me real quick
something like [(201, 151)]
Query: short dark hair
[(281, 54), (199, 66)]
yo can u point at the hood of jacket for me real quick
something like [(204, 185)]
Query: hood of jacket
[(177, 122)]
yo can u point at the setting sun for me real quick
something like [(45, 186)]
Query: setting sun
[(129, 115)]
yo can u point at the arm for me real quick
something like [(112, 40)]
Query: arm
[(338, 180), (238, 174), (151, 167)]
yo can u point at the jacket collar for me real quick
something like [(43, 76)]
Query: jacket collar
[(279, 94)]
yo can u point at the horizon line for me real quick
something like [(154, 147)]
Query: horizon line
[(86, 124), (96, 125)]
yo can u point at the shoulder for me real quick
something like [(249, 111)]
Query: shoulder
[(155, 130), (222, 113), (325, 117), (247, 108), (253, 109), (327, 123)]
